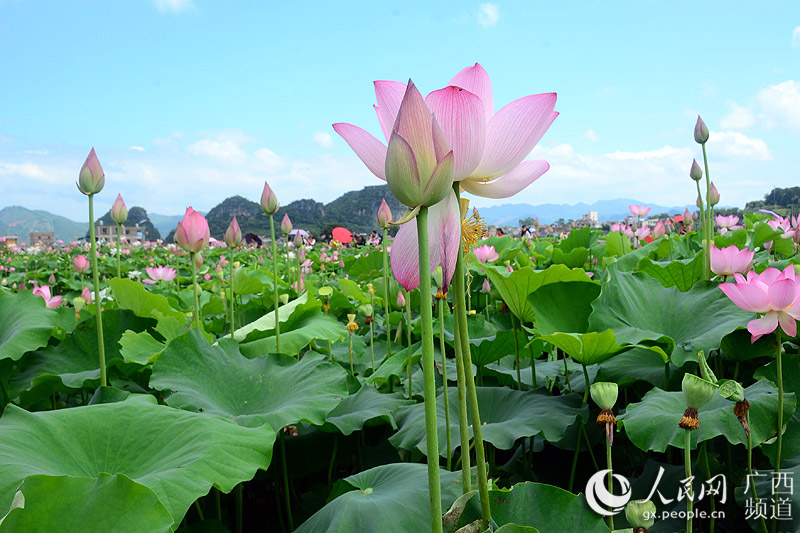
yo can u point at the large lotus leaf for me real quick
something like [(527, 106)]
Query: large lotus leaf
[(267, 322), (60, 368), (391, 497), (617, 244), (681, 273), (140, 348), (176, 454), (218, 379), (515, 287), (586, 348), (546, 372), (135, 297), (365, 406), (298, 335), (25, 324), (364, 267), (791, 383), (65, 503), (639, 363), (629, 261), (564, 306), (487, 343), (576, 258), (578, 238), (638, 308), (738, 345), (245, 282), (652, 424), (506, 414)]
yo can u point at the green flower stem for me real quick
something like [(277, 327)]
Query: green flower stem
[(101, 350), (408, 338), (372, 333), (486, 309), (386, 293), (704, 237), (687, 461), (119, 246), (579, 433), (286, 495), (610, 478), (239, 508), (750, 468), (428, 369), (275, 283), (780, 402), (440, 304), (712, 503), (195, 289), (533, 367), (233, 321), (707, 224), (463, 421), (460, 309), (516, 351)]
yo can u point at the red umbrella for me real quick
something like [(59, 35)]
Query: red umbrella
[(342, 235)]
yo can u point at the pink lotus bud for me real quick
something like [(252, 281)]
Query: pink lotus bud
[(687, 217), (301, 255), (119, 211), (192, 233), (86, 294), (419, 162), (341, 263), (198, 260), (713, 195), (401, 300), (50, 301), (700, 131), (730, 260), (91, 178), (233, 235), (384, 215), (207, 277), (486, 287), (659, 230), (695, 172), (52, 279), (286, 224), (298, 240), (269, 202), (80, 264), (698, 202)]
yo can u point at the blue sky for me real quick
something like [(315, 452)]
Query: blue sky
[(190, 101)]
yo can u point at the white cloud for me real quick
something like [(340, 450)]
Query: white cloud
[(488, 15), (781, 104), (590, 135), (738, 117), (137, 148), (26, 170), (796, 37), (175, 6), (267, 160), (323, 139), (35, 152), (736, 144)]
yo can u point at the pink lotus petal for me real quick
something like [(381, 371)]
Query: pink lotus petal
[(149, 281), (460, 116), (788, 323), (510, 184), (746, 296), (476, 80), (415, 125), (762, 326), (369, 149), (388, 94), (782, 294), (513, 132), (769, 276)]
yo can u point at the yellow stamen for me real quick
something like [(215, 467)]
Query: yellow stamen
[(473, 229), (352, 327)]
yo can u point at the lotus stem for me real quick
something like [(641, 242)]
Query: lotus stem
[(750, 468), (239, 499), (687, 461), (448, 435), (275, 283), (779, 440), (533, 367), (386, 293), (195, 289), (287, 497), (101, 350), (428, 369), (706, 244), (409, 372), (463, 421), (708, 224), (610, 478), (119, 245), (516, 351), (233, 316)]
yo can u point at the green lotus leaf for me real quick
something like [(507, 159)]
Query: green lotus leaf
[(25, 324), (586, 348), (681, 273), (364, 407)]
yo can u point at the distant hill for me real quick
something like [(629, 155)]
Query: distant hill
[(19, 221), (165, 223), (136, 215)]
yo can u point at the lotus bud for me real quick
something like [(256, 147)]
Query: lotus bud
[(86, 295), (52, 279), (284, 298), (384, 216), (438, 277), (298, 240), (233, 235), (687, 217), (365, 309), (698, 202), (286, 224), (269, 202), (401, 300), (91, 178), (419, 162), (486, 287), (192, 233), (700, 131), (695, 172), (640, 514), (198, 260), (341, 263), (119, 211), (604, 394), (659, 230), (301, 255), (713, 195), (4, 282)]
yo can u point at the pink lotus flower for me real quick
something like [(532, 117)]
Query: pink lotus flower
[(91, 178), (727, 261), (269, 202), (192, 233), (119, 211), (50, 301), (86, 294), (726, 223), (659, 230), (774, 293), (286, 224), (485, 253), (160, 274), (80, 264), (640, 211), (642, 232)]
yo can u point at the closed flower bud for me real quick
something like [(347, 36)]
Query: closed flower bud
[(119, 211), (659, 230), (696, 173), (700, 131), (640, 513), (713, 195), (269, 202), (286, 224), (233, 235), (91, 178), (486, 287), (401, 300), (384, 216)]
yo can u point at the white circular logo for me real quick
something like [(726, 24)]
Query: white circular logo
[(601, 500)]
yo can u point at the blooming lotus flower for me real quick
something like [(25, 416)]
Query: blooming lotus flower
[(192, 233), (233, 235), (50, 301), (659, 230), (269, 202), (774, 293), (727, 261), (486, 253), (160, 274), (727, 223), (639, 210), (91, 179), (119, 211), (286, 224), (80, 264), (384, 216), (642, 232)]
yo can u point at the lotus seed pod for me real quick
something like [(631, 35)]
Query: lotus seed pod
[(284, 299), (641, 513), (604, 394), (696, 391), (437, 276), (325, 291), (731, 390), (365, 310)]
